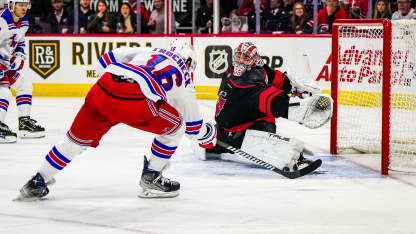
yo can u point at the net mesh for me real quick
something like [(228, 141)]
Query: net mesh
[(360, 92)]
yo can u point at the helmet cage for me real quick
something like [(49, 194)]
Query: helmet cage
[(251, 51)]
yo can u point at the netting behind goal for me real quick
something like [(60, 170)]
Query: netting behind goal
[(360, 90)]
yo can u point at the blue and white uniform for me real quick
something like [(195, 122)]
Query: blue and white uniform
[(12, 44), (171, 76)]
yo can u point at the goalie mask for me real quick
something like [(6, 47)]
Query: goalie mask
[(12, 3), (186, 51), (245, 57)]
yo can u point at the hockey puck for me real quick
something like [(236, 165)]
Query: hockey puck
[(324, 103)]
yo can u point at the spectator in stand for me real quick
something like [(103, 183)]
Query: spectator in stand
[(286, 13), (357, 9), (157, 19), (251, 17), (382, 10), (404, 12), (309, 5), (301, 22), (127, 20), (143, 11), (234, 23), (246, 6), (57, 18), (3, 4), (102, 21), (204, 17), (326, 16), (272, 13), (83, 15)]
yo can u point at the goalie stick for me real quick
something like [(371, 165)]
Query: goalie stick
[(308, 66), (288, 174)]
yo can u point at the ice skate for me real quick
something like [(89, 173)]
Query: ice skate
[(154, 185), (304, 162), (6, 135), (34, 189), (29, 129)]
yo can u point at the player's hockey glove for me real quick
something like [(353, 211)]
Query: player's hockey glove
[(210, 139), (2, 71), (17, 61)]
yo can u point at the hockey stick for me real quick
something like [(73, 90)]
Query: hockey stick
[(288, 174), (308, 66)]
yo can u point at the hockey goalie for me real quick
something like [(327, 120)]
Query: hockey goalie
[(251, 96)]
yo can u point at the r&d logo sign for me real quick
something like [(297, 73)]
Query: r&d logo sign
[(44, 57)]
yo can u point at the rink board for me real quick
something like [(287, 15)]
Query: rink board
[(63, 66)]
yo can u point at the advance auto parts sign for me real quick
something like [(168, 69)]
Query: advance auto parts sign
[(217, 60), (44, 57)]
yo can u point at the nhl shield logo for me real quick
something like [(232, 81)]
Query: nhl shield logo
[(44, 57), (218, 61)]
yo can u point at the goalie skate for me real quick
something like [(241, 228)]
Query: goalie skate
[(154, 185), (304, 162), (34, 189)]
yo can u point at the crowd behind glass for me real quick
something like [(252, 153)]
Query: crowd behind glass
[(236, 16)]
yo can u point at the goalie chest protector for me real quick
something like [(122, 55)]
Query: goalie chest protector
[(238, 99)]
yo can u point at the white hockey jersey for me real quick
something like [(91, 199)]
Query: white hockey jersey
[(162, 75), (12, 36)]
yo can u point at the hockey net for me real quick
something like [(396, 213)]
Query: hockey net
[(373, 66)]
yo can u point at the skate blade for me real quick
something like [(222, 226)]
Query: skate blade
[(30, 135), (21, 198), (148, 193), (320, 170), (8, 140)]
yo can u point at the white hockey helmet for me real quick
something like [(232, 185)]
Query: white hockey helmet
[(12, 3), (186, 51)]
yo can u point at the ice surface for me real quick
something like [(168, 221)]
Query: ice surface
[(97, 192)]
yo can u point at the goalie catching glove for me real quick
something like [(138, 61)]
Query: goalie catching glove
[(17, 61), (311, 112), (209, 140)]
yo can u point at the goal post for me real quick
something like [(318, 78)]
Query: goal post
[(373, 84)]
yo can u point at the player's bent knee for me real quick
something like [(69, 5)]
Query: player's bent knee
[(5, 93), (23, 85), (69, 148), (180, 131)]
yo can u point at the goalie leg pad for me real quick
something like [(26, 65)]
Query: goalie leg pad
[(312, 112), (272, 148)]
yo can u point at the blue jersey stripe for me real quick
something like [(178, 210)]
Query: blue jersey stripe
[(53, 163), (24, 102), (160, 155), (165, 147), (59, 155)]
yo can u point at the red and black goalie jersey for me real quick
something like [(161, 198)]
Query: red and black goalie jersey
[(259, 94)]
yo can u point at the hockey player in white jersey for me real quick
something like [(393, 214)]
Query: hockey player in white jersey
[(13, 26), (148, 89)]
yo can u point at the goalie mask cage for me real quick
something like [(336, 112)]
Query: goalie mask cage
[(374, 89)]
